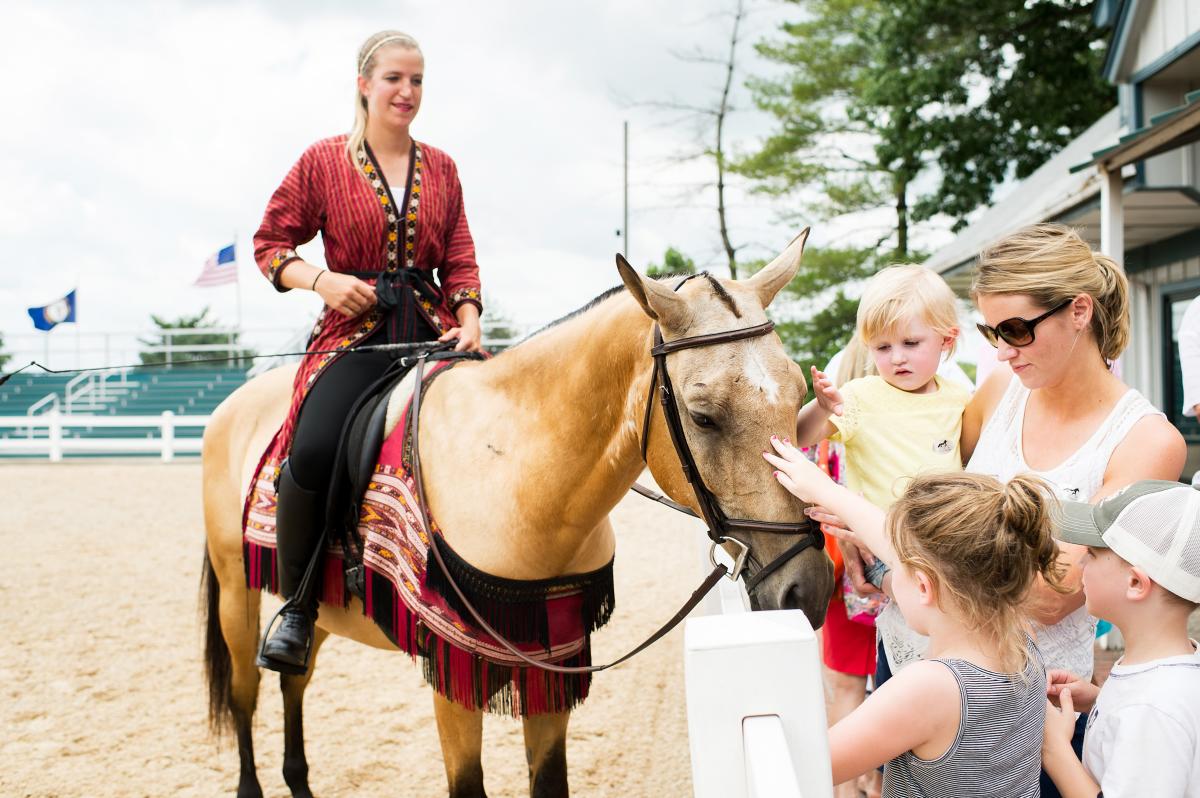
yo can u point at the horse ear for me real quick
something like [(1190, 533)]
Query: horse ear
[(660, 303), (779, 272)]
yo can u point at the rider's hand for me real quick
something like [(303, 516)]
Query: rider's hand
[(345, 293), (826, 393), (468, 332)]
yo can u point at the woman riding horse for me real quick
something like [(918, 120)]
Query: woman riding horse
[(382, 246)]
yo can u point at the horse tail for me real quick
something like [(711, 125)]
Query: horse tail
[(218, 665)]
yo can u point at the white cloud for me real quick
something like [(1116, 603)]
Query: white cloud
[(142, 136)]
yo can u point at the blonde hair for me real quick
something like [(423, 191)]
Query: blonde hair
[(982, 543), (856, 362), (899, 293), (368, 56), (1051, 264)]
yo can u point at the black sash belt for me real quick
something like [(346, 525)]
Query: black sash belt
[(396, 292)]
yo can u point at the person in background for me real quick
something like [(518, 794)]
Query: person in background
[(1140, 572), (1189, 364), (1058, 315)]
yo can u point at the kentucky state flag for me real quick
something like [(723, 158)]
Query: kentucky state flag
[(57, 312)]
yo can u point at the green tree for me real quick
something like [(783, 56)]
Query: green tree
[(711, 119), (497, 325), (156, 354), (881, 97), (814, 315), (674, 263), (4, 357)]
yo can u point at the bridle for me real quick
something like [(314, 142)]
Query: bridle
[(720, 526)]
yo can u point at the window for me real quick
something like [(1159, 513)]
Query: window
[(1175, 302)]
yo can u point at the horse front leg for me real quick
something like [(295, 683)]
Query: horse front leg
[(546, 752), (460, 731), (295, 765)]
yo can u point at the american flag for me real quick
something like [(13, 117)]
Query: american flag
[(219, 269)]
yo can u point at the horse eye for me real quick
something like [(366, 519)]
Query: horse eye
[(701, 420)]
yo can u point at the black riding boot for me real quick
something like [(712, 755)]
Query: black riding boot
[(299, 518)]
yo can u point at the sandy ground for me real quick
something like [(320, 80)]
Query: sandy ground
[(101, 681)]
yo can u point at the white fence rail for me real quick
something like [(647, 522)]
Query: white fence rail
[(46, 434), (755, 703)]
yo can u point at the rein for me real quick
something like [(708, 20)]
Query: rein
[(719, 525)]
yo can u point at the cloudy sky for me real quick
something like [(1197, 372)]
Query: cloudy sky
[(143, 136)]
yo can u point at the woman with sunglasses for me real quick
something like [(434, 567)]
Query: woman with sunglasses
[(1058, 315)]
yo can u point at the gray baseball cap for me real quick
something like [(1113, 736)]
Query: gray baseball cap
[(1153, 524)]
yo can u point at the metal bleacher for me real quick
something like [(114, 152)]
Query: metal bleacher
[(184, 391)]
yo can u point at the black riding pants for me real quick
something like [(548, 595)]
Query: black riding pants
[(325, 409)]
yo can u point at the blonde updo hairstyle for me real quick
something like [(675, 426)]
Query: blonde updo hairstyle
[(368, 57), (1051, 264), (982, 543)]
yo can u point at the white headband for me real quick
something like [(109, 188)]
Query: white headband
[(377, 45)]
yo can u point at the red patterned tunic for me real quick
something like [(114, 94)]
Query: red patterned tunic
[(364, 229)]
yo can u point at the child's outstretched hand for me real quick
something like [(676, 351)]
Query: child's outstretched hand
[(826, 393), (797, 473)]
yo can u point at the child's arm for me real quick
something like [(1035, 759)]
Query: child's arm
[(1058, 758), (809, 483), (887, 724), (812, 422)]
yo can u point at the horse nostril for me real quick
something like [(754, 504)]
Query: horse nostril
[(798, 598)]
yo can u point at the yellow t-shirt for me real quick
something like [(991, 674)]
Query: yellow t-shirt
[(892, 435)]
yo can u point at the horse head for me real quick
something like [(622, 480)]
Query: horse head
[(732, 396)]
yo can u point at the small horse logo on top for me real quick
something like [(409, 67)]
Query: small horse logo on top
[(943, 446)]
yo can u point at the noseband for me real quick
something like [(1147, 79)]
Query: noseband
[(720, 526)]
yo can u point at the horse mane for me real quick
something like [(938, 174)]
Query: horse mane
[(616, 289), (718, 289)]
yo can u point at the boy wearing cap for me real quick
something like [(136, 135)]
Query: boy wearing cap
[(1141, 572)]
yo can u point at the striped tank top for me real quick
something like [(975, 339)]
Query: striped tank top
[(997, 752)]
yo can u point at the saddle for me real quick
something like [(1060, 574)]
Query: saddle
[(361, 439)]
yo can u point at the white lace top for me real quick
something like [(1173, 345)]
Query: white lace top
[(1068, 643)]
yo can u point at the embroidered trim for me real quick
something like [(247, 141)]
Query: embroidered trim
[(369, 323), (471, 294), (281, 258), (398, 227)]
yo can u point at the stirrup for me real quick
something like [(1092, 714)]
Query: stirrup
[(263, 661)]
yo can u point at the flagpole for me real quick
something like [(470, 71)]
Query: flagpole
[(237, 284)]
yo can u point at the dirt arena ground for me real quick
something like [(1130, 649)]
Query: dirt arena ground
[(101, 682)]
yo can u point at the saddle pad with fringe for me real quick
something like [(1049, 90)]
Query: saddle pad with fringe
[(408, 597)]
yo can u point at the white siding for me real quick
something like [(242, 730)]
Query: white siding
[(1167, 24)]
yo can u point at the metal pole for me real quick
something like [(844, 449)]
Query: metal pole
[(625, 222), (237, 283)]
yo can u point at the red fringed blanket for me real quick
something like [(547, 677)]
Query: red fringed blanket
[(408, 597)]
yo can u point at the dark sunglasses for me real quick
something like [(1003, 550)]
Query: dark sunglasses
[(1017, 331)]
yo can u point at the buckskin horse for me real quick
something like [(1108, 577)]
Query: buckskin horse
[(557, 424)]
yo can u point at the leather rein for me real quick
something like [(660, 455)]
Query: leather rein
[(719, 525)]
